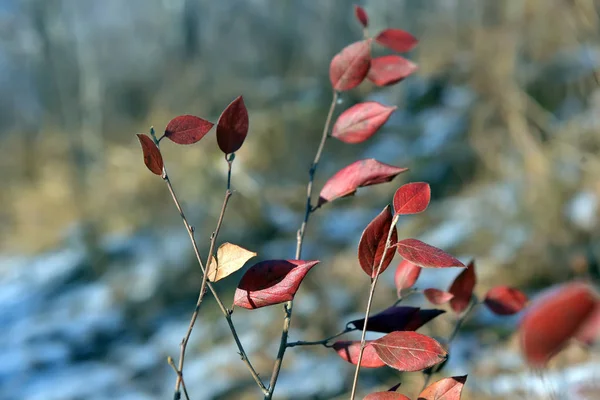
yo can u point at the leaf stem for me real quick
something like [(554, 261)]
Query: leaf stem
[(288, 307), (369, 303), (323, 342)]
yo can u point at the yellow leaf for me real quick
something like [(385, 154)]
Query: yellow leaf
[(230, 258)]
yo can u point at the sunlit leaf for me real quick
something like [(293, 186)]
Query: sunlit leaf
[(397, 40), (361, 121), (152, 157), (406, 275), (187, 129), (232, 127), (386, 396), (373, 242), (350, 349), (504, 300), (553, 319), (425, 255), (271, 282), (409, 351), (412, 198), (230, 258), (350, 66), (444, 389), (356, 175), (462, 288), (437, 296), (390, 69)]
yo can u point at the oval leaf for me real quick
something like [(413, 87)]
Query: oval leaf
[(187, 129), (590, 329), (358, 174), (437, 296), (349, 351), (406, 275), (271, 282), (409, 351), (444, 389), (412, 198), (152, 157), (553, 319), (397, 40), (386, 396), (504, 300), (421, 318), (232, 127), (361, 121), (462, 289), (394, 318), (361, 16), (230, 258), (373, 243), (387, 70), (350, 66), (425, 255)]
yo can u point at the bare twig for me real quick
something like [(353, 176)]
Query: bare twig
[(288, 307), (369, 303), (178, 372), (324, 342)]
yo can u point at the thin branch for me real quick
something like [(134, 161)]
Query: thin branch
[(224, 310), (369, 303), (288, 307), (323, 342), (178, 372)]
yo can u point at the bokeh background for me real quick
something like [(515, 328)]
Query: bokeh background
[(98, 278)]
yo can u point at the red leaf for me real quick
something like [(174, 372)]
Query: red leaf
[(387, 70), (361, 121), (361, 16), (358, 174), (271, 282), (391, 319), (444, 389), (426, 256), (349, 350), (406, 275), (412, 198), (409, 351), (590, 329), (397, 40), (187, 129), (350, 66), (462, 289), (504, 300), (152, 157), (421, 318), (437, 296), (232, 127), (386, 396), (373, 242), (553, 319)]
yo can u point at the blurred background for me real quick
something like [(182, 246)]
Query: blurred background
[(97, 275)]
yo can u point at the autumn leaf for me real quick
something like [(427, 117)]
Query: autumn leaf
[(356, 175), (230, 258), (232, 127), (444, 389), (462, 289), (386, 396), (409, 351), (504, 300), (406, 275), (397, 40), (271, 282), (361, 16), (589, 333), (350, 349), (421, 318), (437, 296), (425, 255), (361, 121), (553, 319), (412, 198), (373, 242), (350, 66), (394, 318), (390, 69), (152, 157), (187, 129)]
